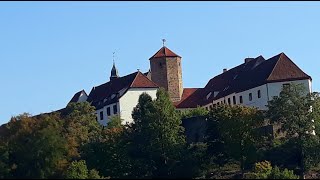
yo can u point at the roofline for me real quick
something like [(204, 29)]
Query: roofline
[(145, 77), (266, 82), (163, 57)]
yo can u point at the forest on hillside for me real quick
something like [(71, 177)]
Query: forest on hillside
[(70, 144)]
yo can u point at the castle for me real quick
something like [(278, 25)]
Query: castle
[(253, 83)]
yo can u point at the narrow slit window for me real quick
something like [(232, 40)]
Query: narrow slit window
[(115, 109), (101, 115)]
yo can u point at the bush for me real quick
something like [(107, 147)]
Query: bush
[(264, 170)]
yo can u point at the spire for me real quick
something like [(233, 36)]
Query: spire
[(114, 71), (163, 41)]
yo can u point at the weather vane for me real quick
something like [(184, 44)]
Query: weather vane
[(163, 41)]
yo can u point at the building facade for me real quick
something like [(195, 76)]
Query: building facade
[(253, 83)]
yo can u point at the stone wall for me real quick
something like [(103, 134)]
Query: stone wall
[(159, 72), (167, 73)]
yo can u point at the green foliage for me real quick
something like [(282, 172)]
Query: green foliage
[(77, 170), (298, 113), (199, 111), (71, 144), (195, 162), (276, 173), (94, 174), (4, 160), (235, 132), (80, 126), (292, 110), (115, 121), (109, 154), (156, 136), (264, 170), (36, 146)]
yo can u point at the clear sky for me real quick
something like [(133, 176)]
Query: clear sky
[(51, 50)]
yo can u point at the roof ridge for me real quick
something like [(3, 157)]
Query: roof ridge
[(134, 78), (295, 64), (145, 78), (274, 67)]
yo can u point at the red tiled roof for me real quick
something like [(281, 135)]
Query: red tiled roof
[(164, 52), (108, 93), (189, 98), (286, 69), (75, 97), (142, 81), (254, 73)]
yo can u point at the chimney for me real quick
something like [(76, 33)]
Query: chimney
[(248, 60), (225, 70)]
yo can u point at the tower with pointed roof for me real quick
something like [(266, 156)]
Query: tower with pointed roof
[(166, 71), (114, 72)]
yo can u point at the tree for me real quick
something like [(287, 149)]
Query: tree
[(157, 136), (115, 121), (298, 112), (292, 109), (199, 111), (264, 170), (77, 170), (80, 127), (236, 135), (109, 154), (5, 168), (36, 147)]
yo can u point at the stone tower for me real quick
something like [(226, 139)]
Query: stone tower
[(165, 68)]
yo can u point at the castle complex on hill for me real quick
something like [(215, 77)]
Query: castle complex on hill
[(253, 83)]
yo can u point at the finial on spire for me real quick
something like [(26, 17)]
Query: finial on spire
[(113, 56), (138, 70), (163, 41)]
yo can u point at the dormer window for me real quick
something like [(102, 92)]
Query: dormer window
[(235, 76), (208, 95)]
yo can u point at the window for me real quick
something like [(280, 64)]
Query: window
[(101, 115), (250, 96), (259, 94), (115, 110), (108, 111), (218, 103), (211, 106), (224, 101), (240, 99), (160, 64), (234, 100), (229, 102)]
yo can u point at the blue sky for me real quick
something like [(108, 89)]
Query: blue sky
[(51, 50)]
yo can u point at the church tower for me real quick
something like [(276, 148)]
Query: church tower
[(114, 71), (166, 71)]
